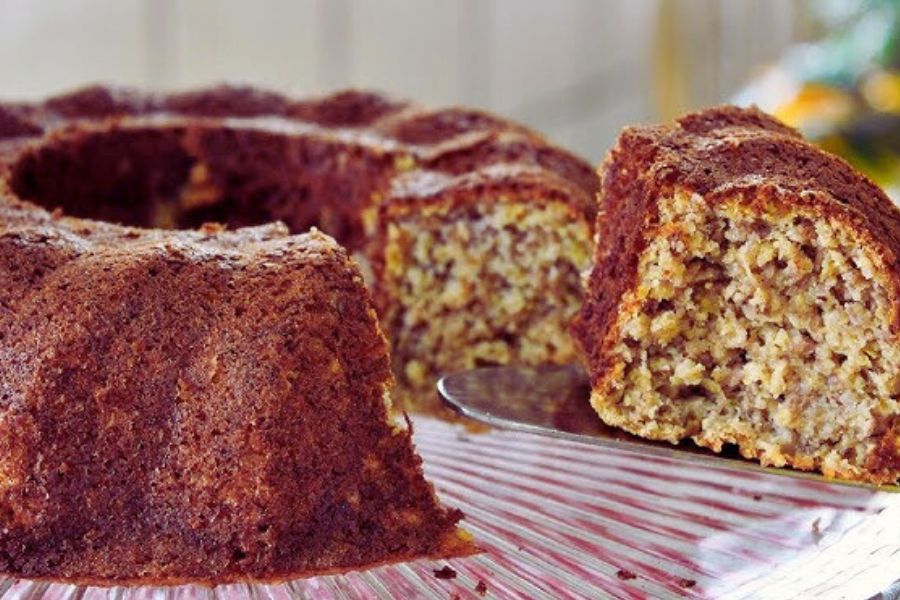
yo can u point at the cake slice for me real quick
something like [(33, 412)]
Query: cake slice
[(746, 291), (197, 406)]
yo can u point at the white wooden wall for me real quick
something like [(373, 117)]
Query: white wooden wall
[(576, 69)]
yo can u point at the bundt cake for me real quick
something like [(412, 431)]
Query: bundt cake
[(746, 291), (475, 228), (185, 400)]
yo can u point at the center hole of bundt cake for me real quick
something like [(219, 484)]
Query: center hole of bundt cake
[(768, 330), (126, 177), (175, 178)]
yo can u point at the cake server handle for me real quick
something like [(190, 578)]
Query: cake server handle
[(553, 401)]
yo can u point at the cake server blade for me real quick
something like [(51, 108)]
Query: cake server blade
[(553, 401)]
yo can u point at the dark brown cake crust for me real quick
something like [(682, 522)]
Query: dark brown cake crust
[(715, 153), (219, 416)]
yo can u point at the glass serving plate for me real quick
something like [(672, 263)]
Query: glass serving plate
[(571, 518)]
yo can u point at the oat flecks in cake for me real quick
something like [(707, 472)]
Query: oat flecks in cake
[(199, 406), (745, 291), (477, 275)]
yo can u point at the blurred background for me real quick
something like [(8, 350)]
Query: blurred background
[(578, 70)]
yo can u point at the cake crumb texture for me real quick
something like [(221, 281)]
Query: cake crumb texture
[(480, 278)]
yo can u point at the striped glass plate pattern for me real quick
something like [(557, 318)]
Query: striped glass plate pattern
[(561, 519)]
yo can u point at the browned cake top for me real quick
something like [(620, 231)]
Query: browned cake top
[(343, 148), (416, 188), (717, 153)]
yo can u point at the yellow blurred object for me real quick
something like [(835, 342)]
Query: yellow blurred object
[(882, 91), (669, 66), (817, 106)]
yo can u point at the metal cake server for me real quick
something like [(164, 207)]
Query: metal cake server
[(553, 401)]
